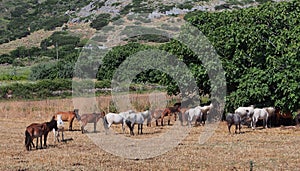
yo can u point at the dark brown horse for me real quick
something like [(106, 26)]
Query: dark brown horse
[(69, 117), (90, 118), (283, 118), (36, 130)]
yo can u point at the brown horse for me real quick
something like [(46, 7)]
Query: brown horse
[(90, 118), (168, 112), (283, 118), (69, 117), (36, 130)]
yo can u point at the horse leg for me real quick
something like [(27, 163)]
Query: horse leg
[(265, 121), (236, 128), (70, 124), (62, 135), (141, 128), (37, 143), (162, 120), (253, 123), (41, 144), (156, 122), (229, 126), (95, 126), (175, 116), (83, 124), (131, 130), (45, 139), (31, 143), (123, 126), (169, 118), (54, 133), (180, 118), (57, 135)]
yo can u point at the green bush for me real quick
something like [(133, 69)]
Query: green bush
[(100, 21)]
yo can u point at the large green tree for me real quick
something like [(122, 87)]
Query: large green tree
[(259, 47)]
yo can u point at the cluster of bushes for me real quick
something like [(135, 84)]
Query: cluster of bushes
[(100, 21), (49, 88), (60, 41)]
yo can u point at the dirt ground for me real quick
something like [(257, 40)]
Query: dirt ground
[(262, 149)]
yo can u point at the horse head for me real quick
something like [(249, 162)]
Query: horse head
[(76, 112), (52, 124)]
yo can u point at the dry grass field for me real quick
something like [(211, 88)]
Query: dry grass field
[(267, 149)]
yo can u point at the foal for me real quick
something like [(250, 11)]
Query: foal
[(90, 118)]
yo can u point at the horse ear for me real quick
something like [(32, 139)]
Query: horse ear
[(53, 117)]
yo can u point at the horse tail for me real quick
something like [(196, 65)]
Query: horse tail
[(105, 122), (27, 139)]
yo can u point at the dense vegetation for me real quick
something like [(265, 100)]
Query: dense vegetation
[(258, 47), (20, 18)]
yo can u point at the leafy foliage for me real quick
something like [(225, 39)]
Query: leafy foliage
[(258, 47), (25, 17), (115, 57)]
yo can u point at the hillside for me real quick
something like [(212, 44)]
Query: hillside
[(20, 19), (254, 45)]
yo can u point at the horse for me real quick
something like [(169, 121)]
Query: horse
[(259, 114), (69, 116), (90, 118), (168, 112), (233, 118), (114, 118), (245, 112), (205, 109), (60, 126), (138, 118), (156, 114), (272, 116), (283, 118), (193, 114), (37, 130)]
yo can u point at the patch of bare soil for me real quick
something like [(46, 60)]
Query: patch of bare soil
[(266, 149)]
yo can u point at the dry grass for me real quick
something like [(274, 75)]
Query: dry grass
[(271, 149), (32, 40)]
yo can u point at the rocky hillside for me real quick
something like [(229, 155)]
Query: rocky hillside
[(20, 18)]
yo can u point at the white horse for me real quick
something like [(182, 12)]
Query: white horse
[(138, 118), (259, 114), (193, 113), (272, 115), (205, 109), (245, 112), (60, 126), (114, 118)]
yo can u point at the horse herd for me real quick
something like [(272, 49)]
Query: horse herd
[(242, 115), (250, 116)]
